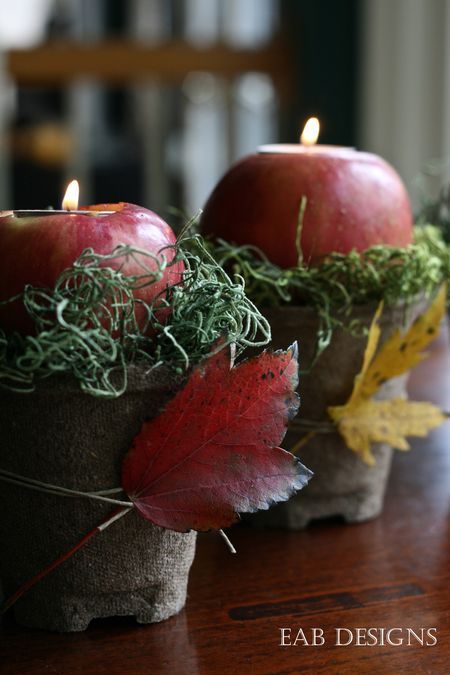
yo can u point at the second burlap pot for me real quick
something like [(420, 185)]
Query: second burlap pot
[(63, 436), (342, 485)]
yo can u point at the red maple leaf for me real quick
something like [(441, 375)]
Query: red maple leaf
[(213, 452)]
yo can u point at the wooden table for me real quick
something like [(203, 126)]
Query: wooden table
[(392, 572)]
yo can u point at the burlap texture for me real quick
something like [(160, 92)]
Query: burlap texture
[(342, 484), (60, 435)]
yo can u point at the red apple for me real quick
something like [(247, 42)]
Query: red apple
[(354, 200), (35, 250)]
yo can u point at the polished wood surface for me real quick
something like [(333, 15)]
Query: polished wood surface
[(392, 572)]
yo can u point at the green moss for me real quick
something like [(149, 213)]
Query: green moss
[(87, 325), (342, 282)]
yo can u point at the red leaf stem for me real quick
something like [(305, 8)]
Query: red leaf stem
[(106, 522)]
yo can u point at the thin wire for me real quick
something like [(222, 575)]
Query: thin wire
[(41, 486)]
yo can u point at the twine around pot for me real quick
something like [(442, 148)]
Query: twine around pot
[(62, 436), (342, 484)]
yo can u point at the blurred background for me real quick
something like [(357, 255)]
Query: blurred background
[(150, 101)]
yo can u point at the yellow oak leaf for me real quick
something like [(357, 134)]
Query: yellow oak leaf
[(371, 347), (386, 422), (404, 351), (361, 421)]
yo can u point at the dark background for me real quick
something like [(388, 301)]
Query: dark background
[(320, 38)]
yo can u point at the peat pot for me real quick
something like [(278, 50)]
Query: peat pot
[(342, 484), (60, 435)]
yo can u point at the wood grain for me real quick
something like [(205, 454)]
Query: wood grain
[(391, 572)]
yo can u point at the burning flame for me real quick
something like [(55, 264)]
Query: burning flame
[(310, 132), (70, 201)]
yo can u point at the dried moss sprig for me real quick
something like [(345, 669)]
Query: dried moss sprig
[(87, 325), (207, 305), (342, 282)]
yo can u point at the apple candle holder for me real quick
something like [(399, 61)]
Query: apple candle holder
[(353, 200), (332, 310), (64, 332), (322, 235), (103, 405)]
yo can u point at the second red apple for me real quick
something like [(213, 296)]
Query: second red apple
[(354, 200)]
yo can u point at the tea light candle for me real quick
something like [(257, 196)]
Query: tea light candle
[(37, 245), (353, 200)]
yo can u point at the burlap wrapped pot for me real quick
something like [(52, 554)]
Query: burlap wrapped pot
[(63, 436), (342, 485)]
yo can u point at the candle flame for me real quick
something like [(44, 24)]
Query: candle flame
[(70, 201), (310, 132)]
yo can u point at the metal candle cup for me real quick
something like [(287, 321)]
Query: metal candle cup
[(27, 213)]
